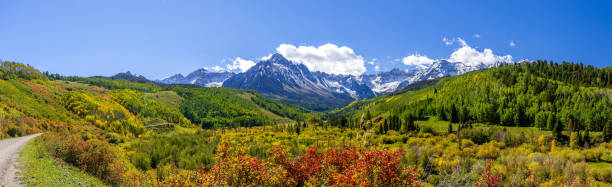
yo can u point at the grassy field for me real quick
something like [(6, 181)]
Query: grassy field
[(601, 165), (169, 98), (39, 169), (441, 127)]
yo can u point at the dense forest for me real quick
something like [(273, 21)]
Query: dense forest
[(527, 94), (528, 124), (222, 107)]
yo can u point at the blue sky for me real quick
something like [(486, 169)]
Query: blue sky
[(159, 38)]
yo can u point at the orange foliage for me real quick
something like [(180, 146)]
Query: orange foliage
[(346, 166), (488, 178)]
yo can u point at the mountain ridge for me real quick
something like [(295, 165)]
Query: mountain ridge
[(283, 80)]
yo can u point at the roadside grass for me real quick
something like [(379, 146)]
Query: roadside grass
[(40, 169)]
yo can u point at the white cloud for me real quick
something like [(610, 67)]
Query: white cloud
[(465, 54), (476, 35), (241, 64), (452, 41), (473, 57), (417, 60), (371, 62), (327, 58), (461, 41), (376, 67), (266, 57), (512, 43), (447, 41)]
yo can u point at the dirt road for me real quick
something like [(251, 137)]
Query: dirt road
[(9, 151)]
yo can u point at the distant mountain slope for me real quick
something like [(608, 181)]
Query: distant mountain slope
[(525, 94), (385, 82), (130, 77), (290, 82), (200, 77), (282, 80)]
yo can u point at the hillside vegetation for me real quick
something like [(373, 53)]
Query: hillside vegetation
[(526, 95), (515, 125)]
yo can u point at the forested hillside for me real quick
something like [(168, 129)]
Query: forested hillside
[(536, 94), (223, 107), (515, 125)]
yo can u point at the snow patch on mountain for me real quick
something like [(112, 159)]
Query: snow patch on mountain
[(200, 77)]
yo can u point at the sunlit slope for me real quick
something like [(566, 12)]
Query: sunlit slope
[(512, 95)]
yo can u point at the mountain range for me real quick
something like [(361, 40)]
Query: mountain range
[(200, 77), (290, 82)]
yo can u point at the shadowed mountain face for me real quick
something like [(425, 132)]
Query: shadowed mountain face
[(289, 82), (130, 77)]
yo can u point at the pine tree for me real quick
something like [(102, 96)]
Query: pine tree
[(450, 128), (385, 126), (587, 139), (297, 129), (550, 122), (557, 130), (453, 114), (465, 114), (607, 132)]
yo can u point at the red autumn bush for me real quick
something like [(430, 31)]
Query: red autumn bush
[(93, 156), (345, 166), (489, 178)]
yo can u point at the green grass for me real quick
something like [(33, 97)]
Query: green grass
[(40, 169), (600, 165), (169, 98), (441, 127)]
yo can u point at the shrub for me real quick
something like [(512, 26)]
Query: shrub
[(14, 131), (93, 157)]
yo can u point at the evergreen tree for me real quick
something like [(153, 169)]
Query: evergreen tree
[(465, 114), (453, 114), (587, 139), (540, 120), (440, 113), (385, 126), (550, 122), (297, 129), (450, 128), (607, 132), (557, 130)]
